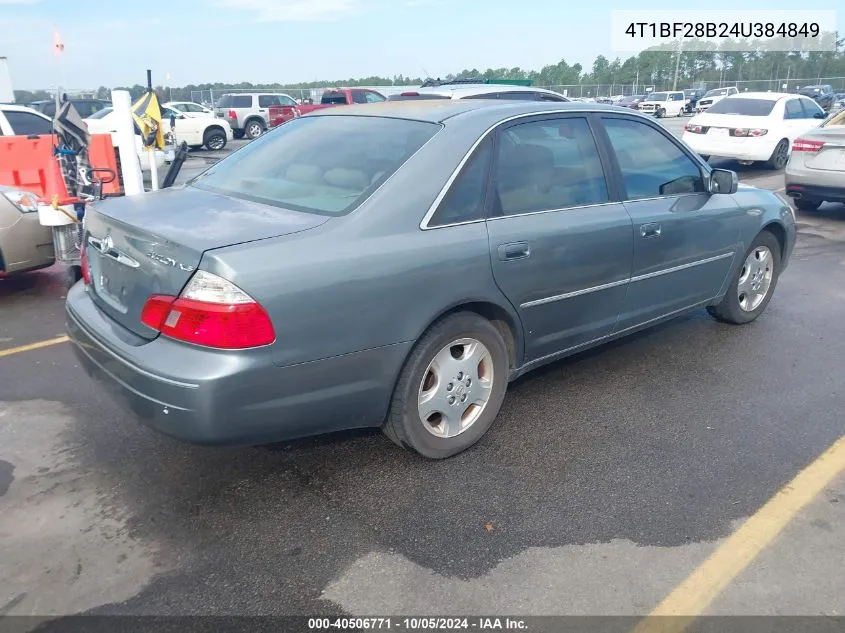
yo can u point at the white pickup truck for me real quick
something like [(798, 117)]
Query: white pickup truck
[(661, 104), (714, 96)]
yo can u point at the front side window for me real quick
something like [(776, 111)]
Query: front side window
[(359, 96), (651, 164), (268, 101), (465, 200), (326, 165), (811, 108), (27, 123), (373, 97), (192, 107), (548, 165)]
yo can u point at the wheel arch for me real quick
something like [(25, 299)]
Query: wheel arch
[(213, 128), (256, 118), (502, 318), (776, 228)]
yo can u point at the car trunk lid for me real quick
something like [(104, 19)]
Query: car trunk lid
[(831, 156), (138, 246)]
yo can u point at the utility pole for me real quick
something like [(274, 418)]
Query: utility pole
[(636, 82), (677, 65)]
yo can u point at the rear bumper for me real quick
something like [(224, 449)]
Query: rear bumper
[(205, 396), (730, 147), (815, 192)]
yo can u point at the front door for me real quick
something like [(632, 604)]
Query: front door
[(685, 238), (559, 246)]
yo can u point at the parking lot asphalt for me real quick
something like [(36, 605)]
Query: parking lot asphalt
[(608, 479)]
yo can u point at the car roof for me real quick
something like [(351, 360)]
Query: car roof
[(768, 96), (462, 90), (492, 111), (13, 107)]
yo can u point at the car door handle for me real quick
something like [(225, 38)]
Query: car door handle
[(514, 250), (652, 229)]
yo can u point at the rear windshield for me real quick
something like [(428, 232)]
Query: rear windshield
[(326, 165), (747, 107), (416, 96), (333, 98)]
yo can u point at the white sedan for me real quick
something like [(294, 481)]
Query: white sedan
[(753, 126), (190, 109), (196, 132)]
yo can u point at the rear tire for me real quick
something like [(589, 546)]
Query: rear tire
[(807, 205), (780, 156), (742, 303), (254, 129), (462, 358)]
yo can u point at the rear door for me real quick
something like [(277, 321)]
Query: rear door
[(560, 242), (684, 238)]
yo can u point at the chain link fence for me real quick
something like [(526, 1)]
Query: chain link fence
[(583, 90)]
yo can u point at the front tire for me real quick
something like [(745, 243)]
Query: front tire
[(451, 387), (661, 113), (214, 140), (753, 283)]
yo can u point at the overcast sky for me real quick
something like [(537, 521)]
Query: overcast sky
[(287, 41)]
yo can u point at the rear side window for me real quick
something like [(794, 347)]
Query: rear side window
[(26, 123), (465, 200), (225, 101), (241, 101), (548, 165), (650, 163), (747, 107), (326, 165)]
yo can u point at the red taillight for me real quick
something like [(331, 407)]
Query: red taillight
[(695, 129), (233, 114), (752, 132), (226, 317), (806, 145), (83, 261)]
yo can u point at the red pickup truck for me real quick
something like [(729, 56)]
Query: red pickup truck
[(331, 97)]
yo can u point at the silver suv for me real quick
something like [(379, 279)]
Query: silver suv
[(248, 112)]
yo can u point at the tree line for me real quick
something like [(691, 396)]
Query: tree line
[(768, 69)]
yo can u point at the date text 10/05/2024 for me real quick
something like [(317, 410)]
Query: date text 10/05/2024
[(417, 624), (724, 30)]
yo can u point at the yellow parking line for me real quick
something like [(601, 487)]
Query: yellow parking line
[(703, 586), (32, 346)]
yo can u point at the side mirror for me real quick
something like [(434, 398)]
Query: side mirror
[(820, 115), (723, 181)]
